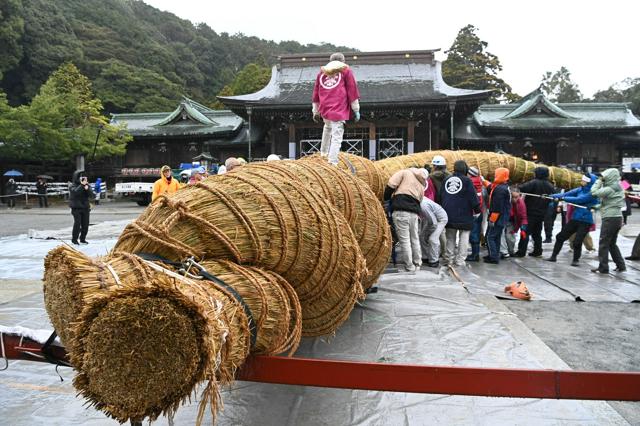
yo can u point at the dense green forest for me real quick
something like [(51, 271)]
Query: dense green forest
[(137, 57)]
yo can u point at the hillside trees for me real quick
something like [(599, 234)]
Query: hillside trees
[(62, 121)]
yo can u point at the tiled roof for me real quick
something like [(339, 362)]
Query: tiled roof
[(188, 119), (393, 78)]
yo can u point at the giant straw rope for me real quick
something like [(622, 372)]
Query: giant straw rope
[(289, 247)]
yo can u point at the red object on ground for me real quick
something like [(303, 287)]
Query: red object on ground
[(521, 383)]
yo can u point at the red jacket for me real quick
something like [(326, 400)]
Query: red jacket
[(478, 184), (518, 214)]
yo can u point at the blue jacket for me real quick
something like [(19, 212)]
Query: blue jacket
[(581, 196), (460, 201), (500, 202)]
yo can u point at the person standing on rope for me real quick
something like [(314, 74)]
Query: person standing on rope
[(608, 189), (581, 220), (335, 96), (405, 189), (536, 210)]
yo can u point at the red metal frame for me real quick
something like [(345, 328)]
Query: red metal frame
[(502, 382), (619, 386)]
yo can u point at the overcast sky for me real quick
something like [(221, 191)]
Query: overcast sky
[(598, 42)]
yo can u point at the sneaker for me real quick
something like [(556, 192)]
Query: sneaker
[(518, 254), (487, 259), (75, 242), (620, 269), (433, 264), (632, 258), (575, 263), (473, 258), (550, 259), (532, 254), (547, 241), (84, 242), (599, 271), (504, 255)]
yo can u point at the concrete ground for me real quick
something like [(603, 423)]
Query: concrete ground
[(593, 335)]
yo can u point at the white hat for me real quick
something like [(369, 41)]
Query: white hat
[(438, 160), (222, 170), (273, 157)]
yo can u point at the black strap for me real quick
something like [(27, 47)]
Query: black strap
[(206, 275), (49, 356)]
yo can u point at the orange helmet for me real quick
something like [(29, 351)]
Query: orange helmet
[(519, 290)]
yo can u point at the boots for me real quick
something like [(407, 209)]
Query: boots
[(475, 253)]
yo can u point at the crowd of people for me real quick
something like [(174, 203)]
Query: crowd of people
[(437, 216)]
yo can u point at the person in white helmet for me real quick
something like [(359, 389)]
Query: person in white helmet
[(439, 174)]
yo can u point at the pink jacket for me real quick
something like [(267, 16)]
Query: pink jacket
[(430, 190), (335, 89)]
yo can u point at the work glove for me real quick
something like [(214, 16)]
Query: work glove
[(523, 234), (476, 215), (316, 118), (356, 116)]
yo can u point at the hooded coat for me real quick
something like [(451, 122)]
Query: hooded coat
[(164, 185), (335, 90), (459, 198), (406, 189), (540, 185), (98, 186), (79, 196), (500, 198), (608, 190), (581, 196)]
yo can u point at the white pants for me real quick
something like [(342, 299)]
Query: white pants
[(406, 224), (453, 256), (332, 139), (508, 243), (430, 241)]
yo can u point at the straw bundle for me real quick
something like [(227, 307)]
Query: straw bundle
[(487, 162), (256, 216), (361, 167), (146, 338), (357, 203)]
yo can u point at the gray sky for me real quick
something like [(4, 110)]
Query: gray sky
[(597, 41)]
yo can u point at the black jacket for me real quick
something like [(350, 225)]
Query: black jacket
[(437, 178), (540, 185), (79, 196), (11, 188), (41, 187), (459, 198)]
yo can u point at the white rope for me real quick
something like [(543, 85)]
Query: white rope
[(114, 274)]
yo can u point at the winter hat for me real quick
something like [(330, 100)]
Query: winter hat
[(473, 171)]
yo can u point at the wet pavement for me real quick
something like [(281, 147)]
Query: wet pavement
[(427, 318)]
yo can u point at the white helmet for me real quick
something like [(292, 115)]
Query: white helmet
[(273, 157), (438, 160)]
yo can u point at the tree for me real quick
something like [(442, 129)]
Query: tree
[(627, 90), (558, 87), (470, 66), (63, 120), (11, 31), (252, 78)]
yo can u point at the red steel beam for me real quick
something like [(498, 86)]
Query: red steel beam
[(551, 384), (503, 382)]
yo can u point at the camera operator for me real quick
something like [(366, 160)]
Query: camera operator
[(79, 198)]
